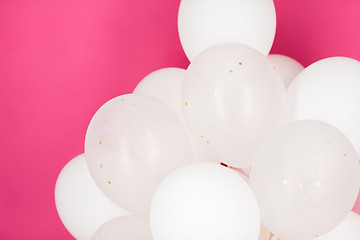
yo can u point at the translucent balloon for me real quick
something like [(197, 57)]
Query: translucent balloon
[(205, 23), (124, 228), (306, 177), (287, 67), (328, 90), (204, 201), (232, 98), (132, 143), (165, 85), (82, 207)]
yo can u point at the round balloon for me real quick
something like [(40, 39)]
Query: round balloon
[(81, 205), (306, 178), (205, 23), (287, 67), (124, 228), (165, 85), (232, 98), (328, 90), (132, 143), (204, 201), (348, 229)]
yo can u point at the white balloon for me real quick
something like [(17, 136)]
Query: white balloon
[(165, 85), (287, 67), (124, 228), (205, 23), (328, 90), (232, 99), (82, 207), (204, 201), (265, 234), (306, 178), (132, 143), (348, 229)]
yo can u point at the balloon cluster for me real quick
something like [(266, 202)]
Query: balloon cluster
[(289, 139)]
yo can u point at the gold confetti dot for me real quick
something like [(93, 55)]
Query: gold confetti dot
[(202, 136), (122, 99), (316, 159), (207, 142), (240, 63), (101, 166), (186, 104), (312, 173), (301, 185), (285, 181), (100, 142), (133, 104), (234, 139), (330, 142), (316, 235), (230, 70), (249, 168), (274, 68), (258, 124), (109, 182), (344, 154), (317, 184)]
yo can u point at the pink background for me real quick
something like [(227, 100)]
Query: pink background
[(61, 60)]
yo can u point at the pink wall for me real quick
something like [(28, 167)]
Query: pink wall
[(61, 60)]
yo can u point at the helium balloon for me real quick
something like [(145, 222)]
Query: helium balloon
[(348, 229), (328, 90), (165, 85), (306, 178), (204, 201), (124, 228), (82, 207), (205, 23), (132, 143), (287, 67), (232, 99)]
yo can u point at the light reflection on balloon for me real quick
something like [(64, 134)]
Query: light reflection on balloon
[(232, 98), (306, 177), (132, 143)]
